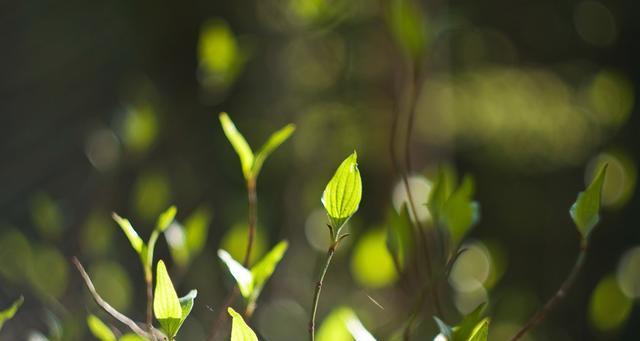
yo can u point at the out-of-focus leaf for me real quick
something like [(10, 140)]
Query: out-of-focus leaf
[(460, 213), (399, 235), (239, 144), (467, 327), (440, 193), (445, 330), (10, 312), (166, 305), (240, 331), (186, 241), (130, 232), (263, 270), (334, 328), (243, 277), (408, 25), (342, 195), (166, 218), (371, 263), (585, 212), (274, 141), (357, 329), (100, 330), (131, 337)]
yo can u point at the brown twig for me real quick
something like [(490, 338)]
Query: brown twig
[(541, 314), (111, 310), (318, 290)]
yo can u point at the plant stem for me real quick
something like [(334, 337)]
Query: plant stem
[(541, 314), (316, 295), (253, 218), (223, 312), (148, 278)]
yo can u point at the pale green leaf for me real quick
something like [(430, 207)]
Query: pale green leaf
[(186, 304), (480, 332), (356, 328), (263, 270), (132, 235), (100, 330), (166, 218), (465, 329), (585, 212), (274, 141), (240, 331), (147, 250), (243, 276), (8, 313), (239, 144), (131, 337), (166, 305), (342, 195)]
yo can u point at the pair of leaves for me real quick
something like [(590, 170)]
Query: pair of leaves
[(240, 331), (252, 281), (453, 208), (170, 310), (145, 251), (472, 327), (341, 198), (252, 163), (8, 313), (585, 212)]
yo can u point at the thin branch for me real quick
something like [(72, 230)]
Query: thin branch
[(318, 290), (253, 219), (541, 314), (111, 310)]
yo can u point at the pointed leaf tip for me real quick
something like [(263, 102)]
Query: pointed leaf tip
[(240, 331), (341, 198), (166, 305), (238, 143)]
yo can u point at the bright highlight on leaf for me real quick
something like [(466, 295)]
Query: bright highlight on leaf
[(8, 313), (472, 327), (100, 330), (342, 195), (166, 305), (342, 324), (240, 331), (130, 232), (252, 281), (252, 164), (585, 212), (166, 218), (481, 331)]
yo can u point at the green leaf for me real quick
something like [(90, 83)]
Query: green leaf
[(399, 236), (147, 251), (8, 313), (100, 330), (274, 141), (263, 270), (440, 193), (480, 332), (445, 330), (243, 276), (585, 212), (166, 305), (240, 331), (134, 239), (408, 27), (356, 328), (131, 337), (186, 304), (460, 212), (239, 144), (166, 218), (342, 195), (465, 329)]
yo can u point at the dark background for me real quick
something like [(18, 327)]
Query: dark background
[(112, 106)]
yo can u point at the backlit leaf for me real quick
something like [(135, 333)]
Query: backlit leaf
[(186, 303), (166, 218), (480, 332), (263, 270), (240, 331), (8, 313), (342, 195), (243, 276), (274, 141), (166, 305), (585, 212), (239, 144), (134, 238), (100, 330)]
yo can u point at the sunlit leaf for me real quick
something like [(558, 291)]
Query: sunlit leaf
[(445, 330), (334, 328), (100, 330), (609, 307), (263, 270), (460, 212), (10, 312), (371, 263), (239, 144), (274, 141), (480, 332), (134, 238), (467, 327), (131, 337), (166, 218), (166, 305), (357, 329), (240, 331), (342, 195), (186, 303), (243, 276), (585, 212)]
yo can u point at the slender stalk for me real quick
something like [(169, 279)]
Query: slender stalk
[(148, 278), (541, 314), (252, 222), (111, 310), (316, 295), (253, 218)]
